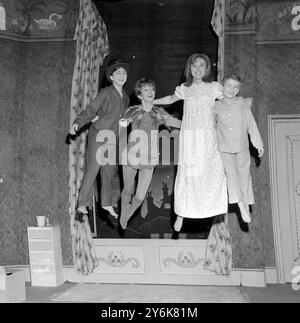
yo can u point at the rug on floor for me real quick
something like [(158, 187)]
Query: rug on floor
[(131, 293)]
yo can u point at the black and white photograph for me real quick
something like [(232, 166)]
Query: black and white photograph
[(149, 154)]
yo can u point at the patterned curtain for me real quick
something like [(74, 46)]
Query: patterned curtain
[(218, 25), (218, 256), (92, 47), (218, 250)]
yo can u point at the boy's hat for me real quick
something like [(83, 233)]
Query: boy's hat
[(115, 64)]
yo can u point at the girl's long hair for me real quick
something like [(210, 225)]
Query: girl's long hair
[(191, 60)]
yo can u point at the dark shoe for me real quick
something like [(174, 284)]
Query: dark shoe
[(79, 216)]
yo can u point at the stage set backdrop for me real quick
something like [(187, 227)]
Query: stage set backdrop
[(51, 50)]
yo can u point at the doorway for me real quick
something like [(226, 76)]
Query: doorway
[(156, 37), (284, 140)]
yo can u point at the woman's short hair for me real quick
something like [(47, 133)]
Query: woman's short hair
[(141, 83)]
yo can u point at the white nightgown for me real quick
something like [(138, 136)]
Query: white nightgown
[(200, 186)]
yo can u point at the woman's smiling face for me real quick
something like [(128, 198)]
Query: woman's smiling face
[(147, 93), (198, 69)]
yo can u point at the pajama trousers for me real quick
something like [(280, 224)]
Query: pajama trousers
[(107, 173), (239, 182)]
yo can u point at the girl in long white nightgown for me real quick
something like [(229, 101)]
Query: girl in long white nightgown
[(200, 186)]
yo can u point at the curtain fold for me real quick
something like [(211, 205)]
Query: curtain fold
[(91, 48), (219, 250), (218, 257), (218, 25)]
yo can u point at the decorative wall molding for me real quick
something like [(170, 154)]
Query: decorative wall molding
[(277, 42), (33, 40), (293, 146), (118, 259), (119, 256), (184, 259), (240, 32)]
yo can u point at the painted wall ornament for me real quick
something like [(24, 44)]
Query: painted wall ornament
[(185, 259), (296, 20), (240, 14), (48, 24), (40, 19), (2, 16), (26, 9), (117, 259), (69, 10), (279, 21)]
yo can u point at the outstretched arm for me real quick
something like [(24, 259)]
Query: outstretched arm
[(89, 114), (169, 99)]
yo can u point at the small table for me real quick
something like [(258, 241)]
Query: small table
[(45, 255)]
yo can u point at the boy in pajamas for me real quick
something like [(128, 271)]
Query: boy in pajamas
[(234, 121), (105, 112)]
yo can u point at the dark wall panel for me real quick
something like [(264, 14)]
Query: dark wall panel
[(34, 156), (157, 40)]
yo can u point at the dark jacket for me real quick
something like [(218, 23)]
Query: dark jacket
[(108, 106)]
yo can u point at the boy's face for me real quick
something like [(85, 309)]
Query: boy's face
[(119, 76), (147, 93), (231, 88)]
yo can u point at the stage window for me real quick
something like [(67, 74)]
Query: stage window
[(156, 40)]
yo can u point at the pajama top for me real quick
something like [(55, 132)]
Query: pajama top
[(234, 121)]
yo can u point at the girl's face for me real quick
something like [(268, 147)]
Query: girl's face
[(198, 69), (119, 76), (231, 88), (147, 94)]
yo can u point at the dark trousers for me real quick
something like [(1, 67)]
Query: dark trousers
[(107, 173)]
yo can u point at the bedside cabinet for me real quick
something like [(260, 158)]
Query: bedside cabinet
[(45, 256)]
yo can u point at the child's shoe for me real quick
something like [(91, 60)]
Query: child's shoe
[(244, 212), (178, 223)]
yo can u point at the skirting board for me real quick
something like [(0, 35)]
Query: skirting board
[(271, 276), (253, 278), (238, 277)]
